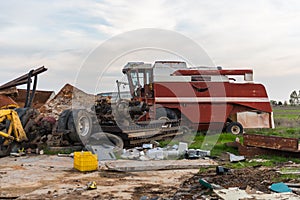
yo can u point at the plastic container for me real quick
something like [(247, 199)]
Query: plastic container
[(85, 161)]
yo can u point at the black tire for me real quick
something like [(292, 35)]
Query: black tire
[(26, 114), (80, 126), (5, 150), (165, 114), (62, 122), (235, 128)]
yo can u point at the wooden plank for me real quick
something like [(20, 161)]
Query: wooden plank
[(134, 165)]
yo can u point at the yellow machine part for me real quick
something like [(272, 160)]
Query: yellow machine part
[(15, 130), (10, 106)]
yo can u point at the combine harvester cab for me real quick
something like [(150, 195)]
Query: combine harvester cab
[(202, 98)]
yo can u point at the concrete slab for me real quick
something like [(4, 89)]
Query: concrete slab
[(129, 165)]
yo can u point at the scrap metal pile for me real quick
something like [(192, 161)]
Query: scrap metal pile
[(69, 118)]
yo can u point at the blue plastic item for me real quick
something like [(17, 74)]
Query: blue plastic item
[(280, 187)]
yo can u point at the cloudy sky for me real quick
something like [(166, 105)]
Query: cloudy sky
[(259, 34)]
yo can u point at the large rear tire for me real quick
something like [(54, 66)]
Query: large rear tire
[(80, 126)]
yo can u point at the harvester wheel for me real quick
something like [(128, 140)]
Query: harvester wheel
[(80, 124), (234, 128)]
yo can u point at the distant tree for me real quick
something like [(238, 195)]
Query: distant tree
[(279, 103), (285, 103), (273, 103), (294, 100)]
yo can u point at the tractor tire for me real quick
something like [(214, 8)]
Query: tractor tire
[(235, 128), (27, 116), (62, 122), (4, 150), (165, 114), (80, 126)]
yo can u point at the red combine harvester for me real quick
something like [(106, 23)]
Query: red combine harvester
[(169, 99), (202, 98)]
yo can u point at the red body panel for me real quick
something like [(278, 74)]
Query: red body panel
[(191, 72), (211, 102)]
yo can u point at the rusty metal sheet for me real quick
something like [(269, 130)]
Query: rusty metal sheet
[(256, 151), (6, 101), (40, 97), (271, 142)]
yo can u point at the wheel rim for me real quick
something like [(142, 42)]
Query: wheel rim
[(235, 130), (83, 126), (164, 119)]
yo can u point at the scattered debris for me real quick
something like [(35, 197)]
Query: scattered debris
[(196, 153), (170, 152), (65, 155), (103, 152), (259, 160), (222, 170), (237, 194), (205, 184), (147, 146), (92, 185), (232, 194), (15, 154), (234, 158)]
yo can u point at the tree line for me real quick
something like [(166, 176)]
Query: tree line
[(293, 101)]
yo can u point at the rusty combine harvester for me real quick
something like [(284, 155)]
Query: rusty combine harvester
[(169, 99)]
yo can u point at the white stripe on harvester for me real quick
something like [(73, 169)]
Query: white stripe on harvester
[(210, 99)]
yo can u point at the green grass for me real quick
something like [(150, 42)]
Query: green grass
[(286, 116), (280, 131), (286, 177), (279, 159), (287, 112)]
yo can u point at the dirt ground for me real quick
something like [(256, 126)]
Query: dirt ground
[(53, 177)]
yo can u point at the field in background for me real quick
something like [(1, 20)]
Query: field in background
[(287, 112), (287, 122)]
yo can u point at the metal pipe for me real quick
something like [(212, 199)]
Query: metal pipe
[(33, 91), (22, 79), (28, 88)]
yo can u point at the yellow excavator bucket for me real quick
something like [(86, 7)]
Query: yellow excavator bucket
[(15, 130)]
